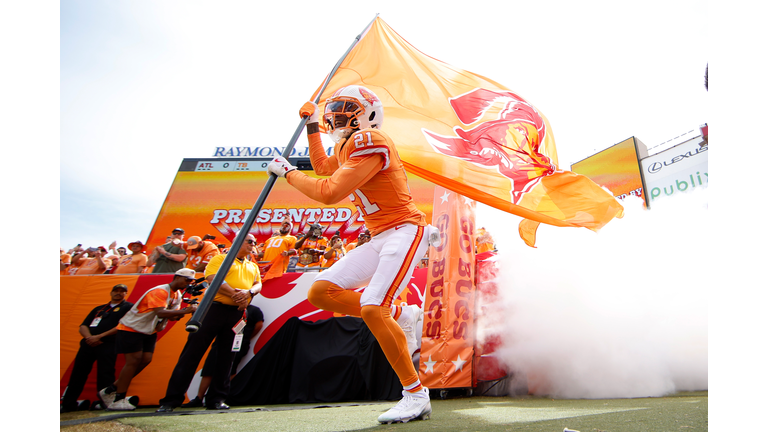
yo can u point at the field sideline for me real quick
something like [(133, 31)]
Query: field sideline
[(684, 411)]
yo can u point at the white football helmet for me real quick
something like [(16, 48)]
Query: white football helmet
[(352, 108)]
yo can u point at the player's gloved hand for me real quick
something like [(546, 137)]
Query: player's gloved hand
[(434, 236), (310, 109), (280, 167)]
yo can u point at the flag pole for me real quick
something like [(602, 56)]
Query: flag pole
[(193, 325)]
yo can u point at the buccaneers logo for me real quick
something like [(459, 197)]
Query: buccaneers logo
[(504, 134)]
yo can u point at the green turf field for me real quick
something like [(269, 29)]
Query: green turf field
[(685, 411)]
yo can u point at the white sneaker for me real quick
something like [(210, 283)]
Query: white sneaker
[(106, 398), (409, 318), (121, 405), (411, 406)]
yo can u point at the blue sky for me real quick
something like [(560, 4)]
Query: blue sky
[(146, 84)]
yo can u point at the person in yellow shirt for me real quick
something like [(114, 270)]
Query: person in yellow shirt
[(226, 314)]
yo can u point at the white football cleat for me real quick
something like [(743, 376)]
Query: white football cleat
[(106, 398), (121, 405), (409, 318), (411, 406)]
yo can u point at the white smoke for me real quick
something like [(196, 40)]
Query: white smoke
[(619, 313)]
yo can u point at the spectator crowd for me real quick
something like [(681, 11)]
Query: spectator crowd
[(121, 327)]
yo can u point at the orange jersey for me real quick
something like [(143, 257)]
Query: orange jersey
[(318, 244), (483, 241), (65, 259), (131, 263), (90, 266), (208, 251), (337, 255), (274, 246), (367, 169), (154, 299)]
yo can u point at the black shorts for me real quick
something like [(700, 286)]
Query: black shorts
[(131, 342)]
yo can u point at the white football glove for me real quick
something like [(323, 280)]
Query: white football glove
[(310, 109), (434, 236), (280, 167)]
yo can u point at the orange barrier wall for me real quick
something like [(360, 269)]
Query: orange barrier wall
[(280, 299)]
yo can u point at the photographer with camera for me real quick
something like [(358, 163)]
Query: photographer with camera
[(224, 323), (311, 247), (137, 334)]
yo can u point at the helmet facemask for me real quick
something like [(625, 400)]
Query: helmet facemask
[(341, 117)]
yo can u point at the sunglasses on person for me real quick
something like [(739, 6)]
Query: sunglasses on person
[(250, 242)]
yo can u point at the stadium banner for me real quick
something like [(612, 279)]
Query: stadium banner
[(447, 344), (470, 134), (678, 169), (280, 299), (616, 168), (215, 196)]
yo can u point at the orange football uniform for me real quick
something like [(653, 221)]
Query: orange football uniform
[(317, 244), (337, 255), (274, 246), (367, 169), (195, 258)]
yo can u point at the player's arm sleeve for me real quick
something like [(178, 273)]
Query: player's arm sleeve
[(350, 176), (322, 164)]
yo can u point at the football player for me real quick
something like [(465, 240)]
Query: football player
[(366, 167)]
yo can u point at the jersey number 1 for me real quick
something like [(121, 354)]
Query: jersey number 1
[(368, 207)]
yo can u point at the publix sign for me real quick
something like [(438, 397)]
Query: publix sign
[(676, 170)]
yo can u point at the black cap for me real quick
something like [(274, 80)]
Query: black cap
[(120, 287), (178, 229)]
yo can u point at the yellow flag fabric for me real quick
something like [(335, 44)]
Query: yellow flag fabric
[(471, 135)]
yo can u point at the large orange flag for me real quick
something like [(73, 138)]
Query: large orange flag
[(471, 135)]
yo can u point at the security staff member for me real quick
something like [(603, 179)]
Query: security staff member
[(98, 345), (225, 314)]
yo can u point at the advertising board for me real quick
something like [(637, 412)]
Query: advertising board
[(616, 168), (678, 169), (215, 195)]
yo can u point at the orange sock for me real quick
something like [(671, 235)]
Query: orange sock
[(331, 297), (392, 341)]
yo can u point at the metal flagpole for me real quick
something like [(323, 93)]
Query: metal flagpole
[(193, 324)]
